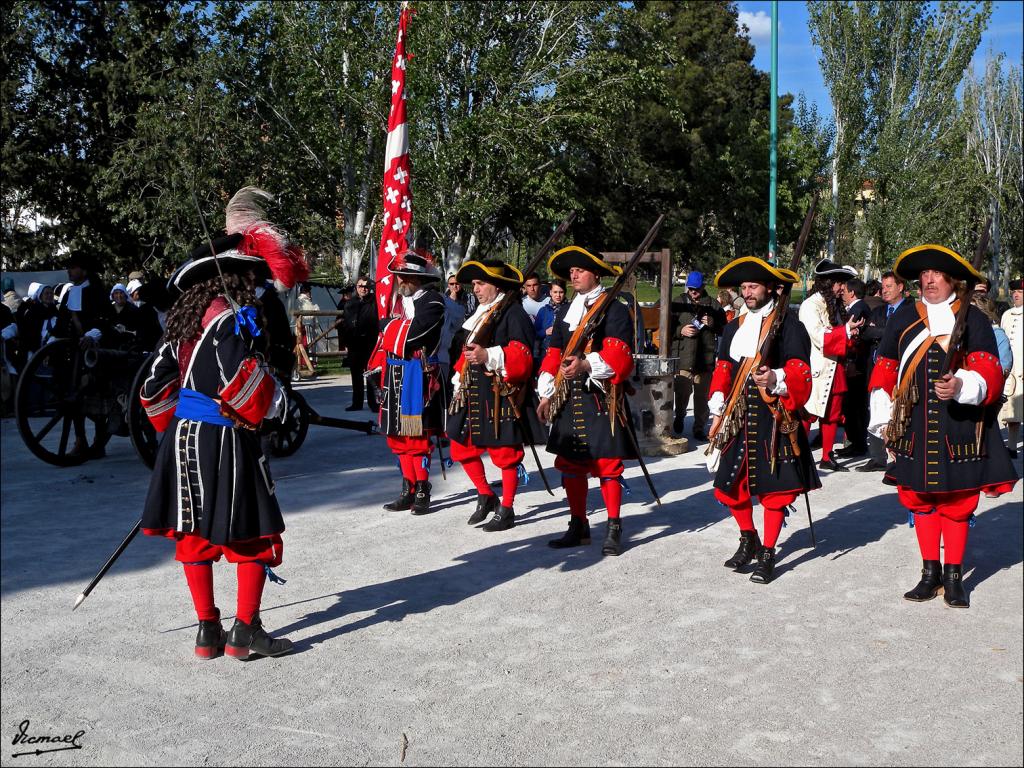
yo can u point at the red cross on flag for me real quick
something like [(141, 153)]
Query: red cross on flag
[(397, 188)]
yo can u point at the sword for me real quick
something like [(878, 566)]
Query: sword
[(106, 566), (440, 458)]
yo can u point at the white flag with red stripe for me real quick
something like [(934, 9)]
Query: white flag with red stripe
[(397, 188)]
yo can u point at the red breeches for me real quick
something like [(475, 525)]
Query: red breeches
[(948, 523), (197, 556), (574, 480), (505, 457), (741, 506), (414, 456)]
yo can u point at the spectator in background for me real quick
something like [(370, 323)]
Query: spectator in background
[(855, 404), (546, 316), (893, 295), (532, 300), (39, 310), (873, 294), (151, 326), (730, 304), (697, 323), (460, 296), (124, 320), (984, 288), (1012, 322), (361, 332)]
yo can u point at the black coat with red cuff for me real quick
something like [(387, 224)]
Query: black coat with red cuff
[(948, 446), (408, 338), (750, 450), (474, 421), (582, 429)]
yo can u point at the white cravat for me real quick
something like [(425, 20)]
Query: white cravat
[(75, 296), (940, 316), (578, 308), (744, 343), (474, 320), (409, 306)]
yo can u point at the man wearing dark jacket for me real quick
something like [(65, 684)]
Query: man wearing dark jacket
[(697, 322), (361, 335), (856, 403)]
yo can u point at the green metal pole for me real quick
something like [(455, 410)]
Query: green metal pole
[(774, 160)]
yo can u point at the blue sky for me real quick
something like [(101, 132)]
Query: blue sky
[(798, 58)]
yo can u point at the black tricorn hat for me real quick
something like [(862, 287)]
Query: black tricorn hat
[(912, 262), (202, 265), (83, 259), (826, 268), (1017, 285), (415, 263), (573, 256), (490, 271), (751, 269)]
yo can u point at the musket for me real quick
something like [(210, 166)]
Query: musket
[(106, 566), (769, 340), (595, 316), (956, 336)]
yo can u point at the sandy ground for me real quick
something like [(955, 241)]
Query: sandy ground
[(421, 640)]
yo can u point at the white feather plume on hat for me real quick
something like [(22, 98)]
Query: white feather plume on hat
[(246, 215)]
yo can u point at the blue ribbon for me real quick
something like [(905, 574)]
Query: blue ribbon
[(971, 521), (625, 486), (245, 317), (910, 519), (195, 406), (273, 576), (522, 474)]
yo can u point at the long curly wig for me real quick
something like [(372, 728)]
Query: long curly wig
[(836, 309), (185, 318)]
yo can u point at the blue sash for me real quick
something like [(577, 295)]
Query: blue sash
[(195, 406), (412, 386)]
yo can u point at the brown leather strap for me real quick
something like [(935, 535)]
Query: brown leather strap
[(908, 374)]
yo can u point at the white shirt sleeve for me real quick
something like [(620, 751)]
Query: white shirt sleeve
[(716, 403), (545, 385), (495, 360), (974, 387), (780, 382), (94, 333), (599, 369)]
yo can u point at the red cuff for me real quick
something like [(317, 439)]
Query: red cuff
[(518, 362), (160, 408), (884, 375), (552, 359), (395, 335), (721, 379), (618, 356), (798, 384), (249, 393), (836, 342), (987, 365)]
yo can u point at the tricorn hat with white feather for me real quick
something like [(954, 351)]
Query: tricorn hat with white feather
[(250, 244)]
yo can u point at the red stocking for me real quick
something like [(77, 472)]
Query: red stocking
[(929, 528), (773, 520), (200, 583), (828, 437), (408, 471), (954, 539), (509, 484), (421, 466), (475, 472), (611, 491), (576, 492), (251, 578)]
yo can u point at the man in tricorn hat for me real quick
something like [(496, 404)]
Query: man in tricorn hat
[(754, 400), (412, 404), (493, 408), (832, 335), (941, 427), (208, 390), (583, 397)]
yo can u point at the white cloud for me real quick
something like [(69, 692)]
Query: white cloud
[(759, 24)]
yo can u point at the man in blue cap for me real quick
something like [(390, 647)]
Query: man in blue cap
[(697, 321)]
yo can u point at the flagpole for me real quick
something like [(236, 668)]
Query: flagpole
[(774, 157)]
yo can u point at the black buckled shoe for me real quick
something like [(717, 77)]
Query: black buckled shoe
[(245, 640), (485, 504), (578, 533), (210, 638), (764, 571), (930, 584), (404, 500), (750, 547), (953, 586), (503, 519), (613, 538), (421, 498), (833, 466)]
